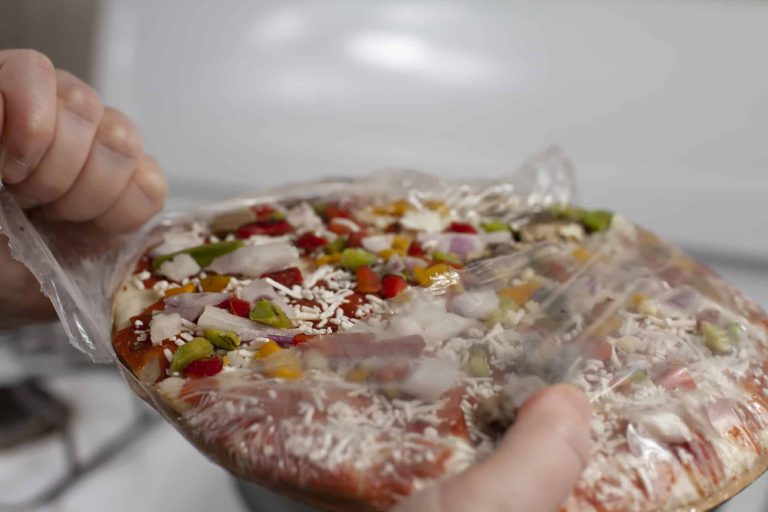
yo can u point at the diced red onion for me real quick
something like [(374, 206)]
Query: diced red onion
[(474, 304), (437, 241), (378, 243), (429, 319), (283, 341), (180, 267), (413, 261), (163, 326), (676, 378), (395, 265), (430, 378), (175, 241), (217, 318), (684, 300), (464, 245), (303, 217), (190, 305), (255, 260)]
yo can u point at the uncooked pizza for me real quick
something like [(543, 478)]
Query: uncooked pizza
[(348, 350)]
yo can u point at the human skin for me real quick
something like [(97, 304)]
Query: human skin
[(65, 154), (534, 468)]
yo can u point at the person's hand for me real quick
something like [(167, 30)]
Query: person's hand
[(534, 468), (63, 152)]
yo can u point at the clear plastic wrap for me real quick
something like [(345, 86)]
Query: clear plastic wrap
[(356, 409)]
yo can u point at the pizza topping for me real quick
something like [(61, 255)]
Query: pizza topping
[(392, 286), (494, 226), (248, 330), (268, 313), (461, 227), (267, 227), (478, 304), (205, 367), (256, 260), (289, 277), (197, 348), (190, 305), (236, 306), (309, 242), (368, 281), (163, 326), (203, 255), (179, 268), (225, 340), (715, 338), (351, 259), (267, 349), (215, 284)]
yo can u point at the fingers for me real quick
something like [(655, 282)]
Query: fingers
[(142, 198), (109, 167), (62, 150), (534, 468), (79, 111), (28, 112)]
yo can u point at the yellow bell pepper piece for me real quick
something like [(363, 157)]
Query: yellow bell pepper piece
[(358, 374), (266, 350), (521, 293), (215, 284), (427, 277), (609, 326), (328, 259), (388, 253), (401, 242), (187, 288), (395, 208), (581, 254), (283, 365)]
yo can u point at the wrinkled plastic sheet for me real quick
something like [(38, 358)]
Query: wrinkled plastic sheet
[(679, 420)]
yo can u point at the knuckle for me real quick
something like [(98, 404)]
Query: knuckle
[(152, 182), (29, 57), (78, 97), (118, 133), (47, 189), (35, 129)]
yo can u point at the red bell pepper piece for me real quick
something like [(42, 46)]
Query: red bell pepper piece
[(368, 281), (265, 212), (309, 242), (205, 367), (301, 338), (269, 227), (355, 239), (415, 249), (461, 227), (288, 277), (332, 210), (392, 285), (236, 306)]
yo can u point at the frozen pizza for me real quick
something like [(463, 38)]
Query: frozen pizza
[(348, 350)]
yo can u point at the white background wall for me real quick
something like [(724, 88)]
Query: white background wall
[(662, 105)]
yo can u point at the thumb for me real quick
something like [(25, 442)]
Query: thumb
[(534, 468)]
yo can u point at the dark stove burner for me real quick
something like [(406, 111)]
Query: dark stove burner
[(29, 412)]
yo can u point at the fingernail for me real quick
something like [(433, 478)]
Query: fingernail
[(14, 170)]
